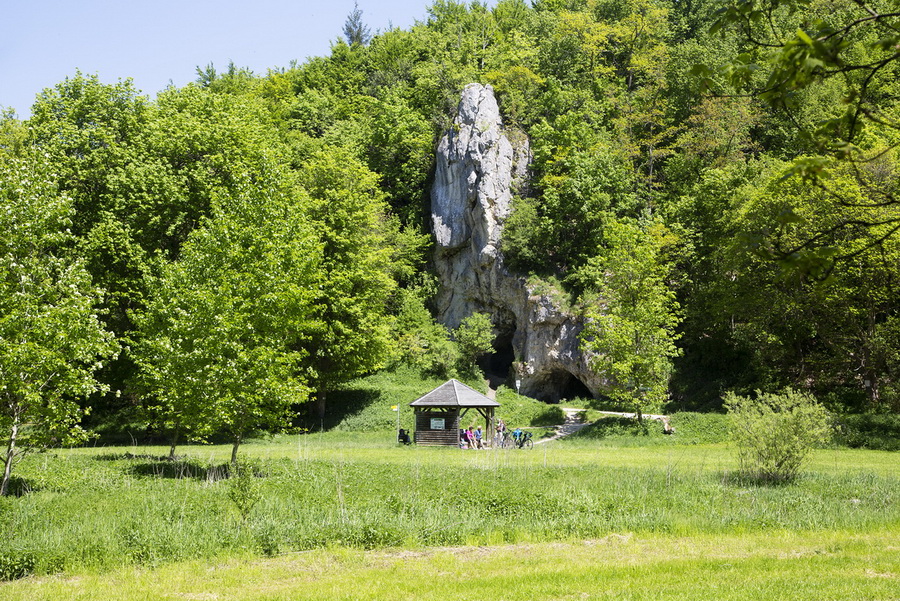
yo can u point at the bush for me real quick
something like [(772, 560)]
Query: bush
[(242, 487), (775, 432), (16, 565)]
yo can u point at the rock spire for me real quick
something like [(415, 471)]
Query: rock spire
[(478, 169)]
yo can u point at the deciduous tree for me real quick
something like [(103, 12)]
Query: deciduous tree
[(349, 213), (631, 314), (223, 341), (51, 339)]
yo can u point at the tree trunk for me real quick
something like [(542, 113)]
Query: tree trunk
[(320, 405), (174, 441), (234, 450), (10, 455)]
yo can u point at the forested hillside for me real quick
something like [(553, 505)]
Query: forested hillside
[(722, 182)]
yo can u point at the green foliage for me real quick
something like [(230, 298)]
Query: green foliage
[(364, 404), (551, 415), (688, 429), (223, 339), (399, 146), (621, 430), (355, 31), (868, 431), (581, 189), (521, 411), (474, 336), (108, 510), (349, 213), (700, 428), (51, 339), (243, 489), (783, 200), (774, 433), (14, 566), (421, 342), (632, 315)]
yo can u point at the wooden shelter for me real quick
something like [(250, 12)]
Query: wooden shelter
[(440, 413)]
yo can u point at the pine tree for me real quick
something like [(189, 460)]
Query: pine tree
[(355, 31)]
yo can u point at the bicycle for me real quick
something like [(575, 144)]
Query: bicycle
[(523, 441)]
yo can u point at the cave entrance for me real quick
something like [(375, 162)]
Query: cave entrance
[(559, 385), (498, 365), (573, 388)]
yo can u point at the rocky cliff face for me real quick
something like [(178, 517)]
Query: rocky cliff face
[(477, 170)]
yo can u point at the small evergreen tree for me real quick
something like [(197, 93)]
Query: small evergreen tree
[(355, 31)]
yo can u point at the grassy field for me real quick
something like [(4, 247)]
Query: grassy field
[(775, 565), (617, 512), (113, 509)]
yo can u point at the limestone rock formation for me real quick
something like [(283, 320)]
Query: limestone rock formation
[(478, 168)]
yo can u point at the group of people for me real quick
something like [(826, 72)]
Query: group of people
[(472, 438)]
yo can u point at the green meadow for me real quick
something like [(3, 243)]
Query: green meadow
[(338, 510), (614, 512)]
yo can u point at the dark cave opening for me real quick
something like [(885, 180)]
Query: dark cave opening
[(497, 366), (573, 388), (559, 385)]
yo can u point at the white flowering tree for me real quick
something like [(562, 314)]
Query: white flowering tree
[(51, 340)]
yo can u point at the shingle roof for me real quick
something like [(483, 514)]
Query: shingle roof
[(454, 393)]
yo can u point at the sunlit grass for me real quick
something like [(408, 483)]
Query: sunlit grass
[(775, 565), (381, 447), (109, 508)]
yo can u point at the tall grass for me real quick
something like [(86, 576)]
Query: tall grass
[(99, 509), (353, 486)]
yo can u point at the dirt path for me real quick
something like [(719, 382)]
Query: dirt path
[(572, 425)]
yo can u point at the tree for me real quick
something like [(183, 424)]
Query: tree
[(841, 57), (223, 341), (51, 339), (475, 337), (774, 433), (829, 344), (420, 341), (355, 31), (349, 213), (631, 314), (142, 176)]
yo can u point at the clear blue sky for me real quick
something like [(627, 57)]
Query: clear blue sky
[(158, 41)]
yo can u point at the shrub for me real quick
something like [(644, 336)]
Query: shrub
[(16, 565), (775, 432), (242, 487)]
